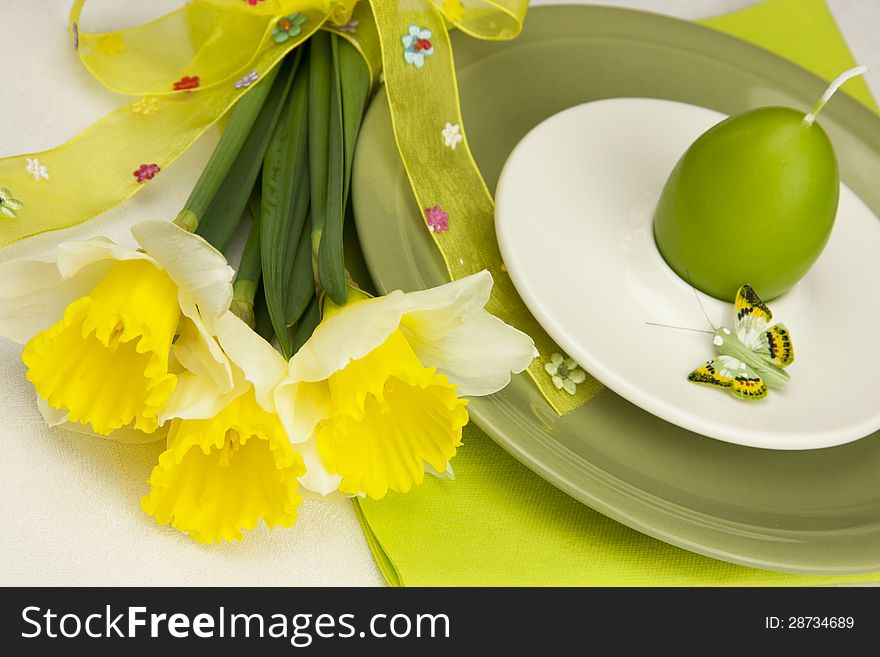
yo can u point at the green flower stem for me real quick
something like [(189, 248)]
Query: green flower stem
[(247, 279), (222, 216), (241, 120), (243, 294)]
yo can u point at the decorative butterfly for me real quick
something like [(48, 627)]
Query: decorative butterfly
[(750, 359)]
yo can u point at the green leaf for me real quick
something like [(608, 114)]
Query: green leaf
[(301, 281), (244, 116), (307, 324), (249, 267), (355, 264), (285, 202), (349, 90), (320, 75), (262, 321), (222, 216), (355, 84)]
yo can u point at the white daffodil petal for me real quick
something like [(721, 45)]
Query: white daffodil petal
[(264, 367), (436, 311), (125, 435), (351, 333), (197, 398), (33, 295), (197, 350), (193, 264), (446, 474), (300, 406), (479, 355), (56, 417), (335, 497), (316, 479), (72, 257), (53, 416), (359, 328), (35, 292)]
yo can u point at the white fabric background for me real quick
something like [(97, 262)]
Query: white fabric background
[(69, 504)]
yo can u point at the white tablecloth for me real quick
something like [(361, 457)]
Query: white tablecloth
[(69, 508)]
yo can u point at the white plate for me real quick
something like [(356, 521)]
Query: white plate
[(574, 207)]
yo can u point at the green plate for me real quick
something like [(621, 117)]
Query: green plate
[(811, 511)]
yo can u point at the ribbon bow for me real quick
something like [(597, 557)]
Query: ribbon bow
[(189, 67)]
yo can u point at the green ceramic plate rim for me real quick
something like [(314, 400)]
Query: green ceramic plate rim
[(611, 495)]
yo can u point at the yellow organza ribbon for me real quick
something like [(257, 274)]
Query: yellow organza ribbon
[(456, 204), (189, 67)]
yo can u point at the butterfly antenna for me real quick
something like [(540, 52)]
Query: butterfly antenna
[(697, 297), (680, 328)]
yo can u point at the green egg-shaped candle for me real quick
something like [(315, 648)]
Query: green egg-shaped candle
[(752, 200)]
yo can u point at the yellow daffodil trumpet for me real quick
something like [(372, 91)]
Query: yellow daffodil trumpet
[(106, 360), (229, 461), (223, 474), (391, 416), (99, 321), (374, 395)]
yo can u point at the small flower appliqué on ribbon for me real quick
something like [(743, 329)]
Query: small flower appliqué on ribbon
[(37, 170), (350, 27), (437, 218), (247, 80), (8, 205), (565, 373), (187, 83), (146, 105), (146, 172), (452, 136), (417, 45), (288, 27), (253, 3)]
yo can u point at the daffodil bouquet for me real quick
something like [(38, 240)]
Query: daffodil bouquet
[(282, 377)]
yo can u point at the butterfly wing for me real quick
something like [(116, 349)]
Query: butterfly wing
[(775, 345), (752, 316), (708, 375), (728, 372)]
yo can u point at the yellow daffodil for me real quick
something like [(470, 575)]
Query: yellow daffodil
[(374, 395), (229, 462), (98, 322)]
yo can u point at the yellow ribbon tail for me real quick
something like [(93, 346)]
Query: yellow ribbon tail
[(190, 67)]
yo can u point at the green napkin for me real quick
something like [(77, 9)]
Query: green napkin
[(802, 31), (500, 524)]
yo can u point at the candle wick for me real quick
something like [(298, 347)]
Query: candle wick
[(832, 88)]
